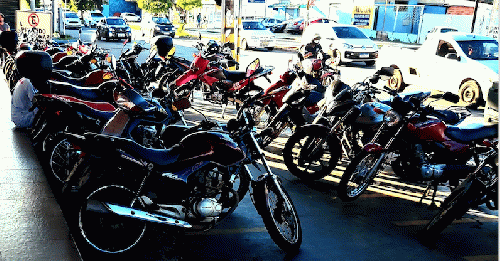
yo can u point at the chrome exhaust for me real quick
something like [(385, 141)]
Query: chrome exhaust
[(134, 213)]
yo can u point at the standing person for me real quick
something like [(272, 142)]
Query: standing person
[(198, 18), (3, 25)]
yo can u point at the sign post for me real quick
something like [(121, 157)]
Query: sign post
[(28, 20)]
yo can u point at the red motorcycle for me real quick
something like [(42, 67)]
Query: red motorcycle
[(271, 99), (218, 84), (419, 147)]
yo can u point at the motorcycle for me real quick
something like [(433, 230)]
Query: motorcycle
[(191, 186), (480, 187), (343, 123), (218, 85), (418, 146)]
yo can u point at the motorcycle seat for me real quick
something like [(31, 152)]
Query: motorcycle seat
[(95, 94), (159, 157), (234, 76), (91, 79), (471, 129)]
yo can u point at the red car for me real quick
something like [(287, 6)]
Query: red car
[(318, 20)]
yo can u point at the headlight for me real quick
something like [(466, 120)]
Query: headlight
[(348, 46), (129, 30), (157, 28), (111, 29), (392, 118)]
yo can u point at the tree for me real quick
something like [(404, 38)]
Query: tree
[(155, 6), (89, 5), (189, 4)]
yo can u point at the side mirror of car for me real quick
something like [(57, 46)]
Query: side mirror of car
[(453, 56)]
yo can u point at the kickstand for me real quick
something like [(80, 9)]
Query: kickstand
[(433, 202)]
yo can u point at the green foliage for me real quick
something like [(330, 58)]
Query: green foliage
[(189, 4), (155, 6), (84, 5)]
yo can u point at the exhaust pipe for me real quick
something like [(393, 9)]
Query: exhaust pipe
[(105, 207)]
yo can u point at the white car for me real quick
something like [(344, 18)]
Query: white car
[(130, 17), (71, 20), (91, 18), (345, 43), (461, 63), (270, 22), (254, 34)]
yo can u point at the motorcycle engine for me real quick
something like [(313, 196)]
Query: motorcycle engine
[(207, 207), (145, 135)]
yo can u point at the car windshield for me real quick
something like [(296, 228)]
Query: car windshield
[(480, 50), (116, 22), (253, 26), (161, 20), (96, 15), (71, 15), (349, 32)]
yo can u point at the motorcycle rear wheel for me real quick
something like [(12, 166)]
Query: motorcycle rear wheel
[(359, 174), (279, 216), (310, 154), (62, 157), (107, 232)]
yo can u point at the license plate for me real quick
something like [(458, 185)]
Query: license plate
[(121, 35), (364, 55), (264, 43)]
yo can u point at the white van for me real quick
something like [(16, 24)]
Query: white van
[(91, 18), (71, 20)]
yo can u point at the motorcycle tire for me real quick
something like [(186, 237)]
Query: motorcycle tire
[(62, 158), (105, 232), (359, 174), (278, 214), (310, 154), (263, 114)]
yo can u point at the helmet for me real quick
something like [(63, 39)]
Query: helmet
[(164, 44), (212, 46), (316, 37), (34, 65)]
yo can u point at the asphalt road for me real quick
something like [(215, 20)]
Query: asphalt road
[(380, 225)]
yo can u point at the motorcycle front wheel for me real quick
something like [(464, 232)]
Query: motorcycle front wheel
[(279, 215), (310, 154), (359, 174), (107, 232)]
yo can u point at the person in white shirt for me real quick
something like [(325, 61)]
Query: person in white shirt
[(21, 104)]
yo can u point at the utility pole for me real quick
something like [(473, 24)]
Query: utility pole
[(223, 21), (474, 17)]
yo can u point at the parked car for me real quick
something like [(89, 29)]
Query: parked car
[(315, 21), (280, 28), (255, 35), (462, 63), (113, 28), (130, 17), (270, 22), (71, 20), (153, 26), (91, 18), (346, 43), (439, 30), (294, 27)]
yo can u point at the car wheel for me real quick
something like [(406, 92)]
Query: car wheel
[(396, 81), (244, 45), (337, 57), (470, 93)]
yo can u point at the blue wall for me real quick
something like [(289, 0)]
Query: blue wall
[(121, 6)]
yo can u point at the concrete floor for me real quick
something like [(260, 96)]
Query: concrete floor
[(32, 226)]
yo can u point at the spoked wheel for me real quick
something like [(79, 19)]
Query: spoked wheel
[(310, 154), (396, 81), (262, 115), (359, 174), (105, 231), (62, 159), (280, 216)]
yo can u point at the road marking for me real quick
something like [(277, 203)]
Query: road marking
[(459, 221), (229, 231)]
